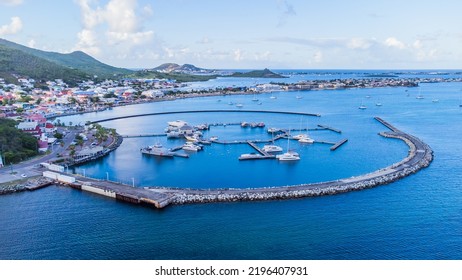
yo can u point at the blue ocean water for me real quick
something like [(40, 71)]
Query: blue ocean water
[(419, 217)]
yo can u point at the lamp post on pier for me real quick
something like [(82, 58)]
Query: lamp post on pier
[(133, 182), (107, 176)]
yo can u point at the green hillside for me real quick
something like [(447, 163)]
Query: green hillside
[(75, 60), (13, 61)]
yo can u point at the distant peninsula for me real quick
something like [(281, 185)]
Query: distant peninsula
[(265, 73), (190, 73)]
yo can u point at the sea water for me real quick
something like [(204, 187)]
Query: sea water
[(419, 217)]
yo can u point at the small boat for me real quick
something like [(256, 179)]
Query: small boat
[(299, 97), (299, 136), (191, 147), (213, 138), (362, 106), (271, 149), (254, 98), (435, 100), (239, 105), (378, 104), (420, 96), (250, 156), (191, 138), (306, 140), (173, 134), (272, 130), (157, 150), (289, 156)]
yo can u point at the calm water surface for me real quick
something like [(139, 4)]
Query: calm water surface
[(419, 217)]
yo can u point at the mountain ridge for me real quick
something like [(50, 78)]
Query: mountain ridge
[(76, 60)]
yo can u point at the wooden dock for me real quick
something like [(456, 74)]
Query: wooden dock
[(263, 153)]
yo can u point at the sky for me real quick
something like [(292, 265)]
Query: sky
[(244, 34)]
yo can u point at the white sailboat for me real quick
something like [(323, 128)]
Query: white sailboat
[(289, 155), (420, 96), (272, 148)]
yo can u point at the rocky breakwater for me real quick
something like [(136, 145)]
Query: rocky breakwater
[(25, 185), (420, 156)]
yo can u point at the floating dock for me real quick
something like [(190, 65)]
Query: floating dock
[(261, 154), (338, 144), (330, 128)]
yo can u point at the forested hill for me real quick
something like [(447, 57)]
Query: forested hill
[(79, 62)]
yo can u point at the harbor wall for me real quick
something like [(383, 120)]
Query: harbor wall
[(99, 191)]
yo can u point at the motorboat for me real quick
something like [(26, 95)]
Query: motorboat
[(157, 150), (191, 147)]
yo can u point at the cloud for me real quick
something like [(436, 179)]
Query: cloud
[(11, 2), (238, 56), (394, 43), (31, 43), (12, 28), (360, 43), (116, 26), (318, 57), (88, 42), (287, 10), (204, 40)]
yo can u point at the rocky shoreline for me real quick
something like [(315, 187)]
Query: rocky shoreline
[(24, 185)]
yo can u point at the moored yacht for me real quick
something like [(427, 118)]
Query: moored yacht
[(271, 149), (191, 147), (288, 156), (306, 140), (157, 150)]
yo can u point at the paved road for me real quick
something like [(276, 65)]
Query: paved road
[(30, 167)]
